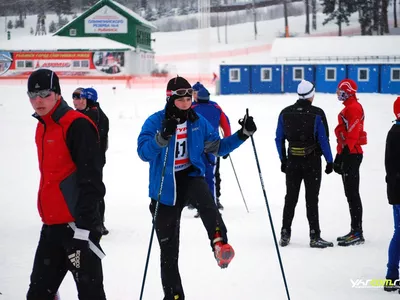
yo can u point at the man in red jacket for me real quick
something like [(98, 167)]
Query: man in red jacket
[(350, 136), (69, 194)]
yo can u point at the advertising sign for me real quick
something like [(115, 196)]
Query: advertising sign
[(106, 20)]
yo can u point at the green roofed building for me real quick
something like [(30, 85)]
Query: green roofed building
[(107, 39), (112, 20)]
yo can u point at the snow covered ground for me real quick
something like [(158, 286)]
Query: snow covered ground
[(254, 273)]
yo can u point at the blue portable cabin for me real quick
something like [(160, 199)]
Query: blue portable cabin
[(390, 79), (366, 76), (266, 79), (328, 76), (363, 62), (293, 74), (235, 79)]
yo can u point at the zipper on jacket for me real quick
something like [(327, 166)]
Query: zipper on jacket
[(42, 174), (173, 169)]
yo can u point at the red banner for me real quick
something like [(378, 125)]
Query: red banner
[(51, 55)]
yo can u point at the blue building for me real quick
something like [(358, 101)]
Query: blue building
[(327, 77), (266, 79), (366, 76), (293, 74), (235, 79), (390, 79)]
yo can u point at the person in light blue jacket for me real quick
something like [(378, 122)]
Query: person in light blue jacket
[(173, 141)]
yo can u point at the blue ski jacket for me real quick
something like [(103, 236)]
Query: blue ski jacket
[(201, 137)]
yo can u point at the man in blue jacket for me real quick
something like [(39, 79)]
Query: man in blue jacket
[(305, 128), (177, 136), (217, 118)]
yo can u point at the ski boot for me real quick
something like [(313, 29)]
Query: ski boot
[(391, 285), (352, 238), (318, 242), (285, 238), (223, 253)]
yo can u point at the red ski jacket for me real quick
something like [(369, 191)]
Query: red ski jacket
[(350, 130), (59, 190)]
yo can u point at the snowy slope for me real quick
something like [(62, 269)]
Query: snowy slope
[(254, 273)]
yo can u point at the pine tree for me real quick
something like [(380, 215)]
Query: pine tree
[(384, 24), (339, 11), (365, 9)]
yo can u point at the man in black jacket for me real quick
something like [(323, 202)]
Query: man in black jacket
[(70, 189), (305, 127), (392, 166), (85, 101)]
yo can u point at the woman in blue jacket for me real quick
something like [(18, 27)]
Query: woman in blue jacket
[(186, 136)]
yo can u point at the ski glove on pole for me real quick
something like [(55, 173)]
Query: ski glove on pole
[(248, 127), (168, 128)]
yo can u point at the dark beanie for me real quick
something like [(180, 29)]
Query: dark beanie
[(176, 84), (44, 79)]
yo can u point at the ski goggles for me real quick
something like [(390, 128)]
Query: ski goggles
[(180, 92), (76, 96), (41, 94)]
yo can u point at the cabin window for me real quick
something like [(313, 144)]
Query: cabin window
[(330, 74), (298, 74), (234, 75), (266, 74), (363, 74)]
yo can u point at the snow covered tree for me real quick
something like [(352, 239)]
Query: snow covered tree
[(365, 9), (339, 11)]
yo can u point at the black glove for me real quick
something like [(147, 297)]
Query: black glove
[(248, 127), (337, 164), (168, 128), (283, 166), (329, 168), (225, 156), (345, 159)]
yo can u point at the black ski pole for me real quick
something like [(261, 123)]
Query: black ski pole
[(237, 179), (154, 222), (269, 212)]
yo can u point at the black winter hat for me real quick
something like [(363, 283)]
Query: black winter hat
[(44, 79), (177, 83)]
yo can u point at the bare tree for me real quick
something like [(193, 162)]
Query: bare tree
[(395, 13), (255, 19), (314, 14), (285, 12), (307, 4)]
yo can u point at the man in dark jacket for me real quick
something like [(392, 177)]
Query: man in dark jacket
[(85, 101), (70, 191), (350, 136), (392, 166), (305, 127)]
